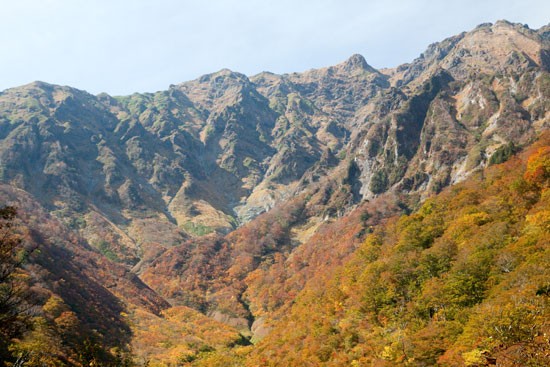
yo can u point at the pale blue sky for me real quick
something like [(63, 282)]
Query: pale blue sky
[(126, 46)]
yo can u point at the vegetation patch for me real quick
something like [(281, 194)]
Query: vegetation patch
[(197, 229)]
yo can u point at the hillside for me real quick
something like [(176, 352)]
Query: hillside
[(462, 281), (194, 221)]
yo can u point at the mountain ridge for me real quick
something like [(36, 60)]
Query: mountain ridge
[(225, 193)]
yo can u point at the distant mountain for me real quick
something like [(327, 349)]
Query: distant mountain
[(229, 194)]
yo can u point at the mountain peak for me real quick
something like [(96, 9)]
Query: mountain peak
[(355, 62), (501, 23), (37, 84), (40, 84), (223, 74)]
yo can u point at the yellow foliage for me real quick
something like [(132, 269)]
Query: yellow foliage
[(54, 306), (39, 347), (539, 221), (180, 335), (473, 357)]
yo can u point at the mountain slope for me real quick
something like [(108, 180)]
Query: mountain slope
[(231, 194), (89, 310), (462, 281)]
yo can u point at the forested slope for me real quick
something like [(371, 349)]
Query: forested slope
[(464, 280)]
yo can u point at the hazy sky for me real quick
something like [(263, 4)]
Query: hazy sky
[(126, 46)]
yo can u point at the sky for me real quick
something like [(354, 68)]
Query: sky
[(126, 46)]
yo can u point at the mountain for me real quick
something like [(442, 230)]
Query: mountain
[(231, 196)]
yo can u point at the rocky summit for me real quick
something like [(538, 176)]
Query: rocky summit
[(220, 201)]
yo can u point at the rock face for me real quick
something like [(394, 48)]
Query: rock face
[(457, 104), (140, 174), (201, 157)]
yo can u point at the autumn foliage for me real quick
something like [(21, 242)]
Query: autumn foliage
[(462, 281)]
